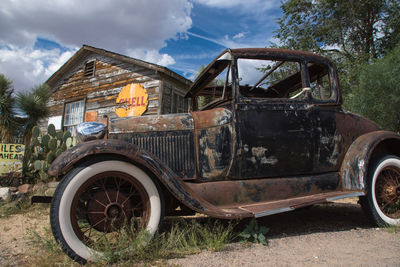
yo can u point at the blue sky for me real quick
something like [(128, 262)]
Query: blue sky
[(37, 37)]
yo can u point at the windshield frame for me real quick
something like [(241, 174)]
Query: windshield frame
[(200, 87)]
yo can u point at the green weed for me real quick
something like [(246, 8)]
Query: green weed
[(393, 229), (49, 252), (21, 206), (254, 233), (129, 247), (183, 238), (9, 207)]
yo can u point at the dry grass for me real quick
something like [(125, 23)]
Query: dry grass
[(179, 237)]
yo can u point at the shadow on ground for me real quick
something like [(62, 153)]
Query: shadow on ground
[(319, 218), (329, 217)]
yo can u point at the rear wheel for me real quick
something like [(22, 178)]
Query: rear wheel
[(94, 202), (382, 202)]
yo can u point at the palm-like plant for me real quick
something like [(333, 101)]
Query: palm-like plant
[(34, 105), (8, 123)]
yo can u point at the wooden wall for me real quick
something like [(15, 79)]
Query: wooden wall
[(101, 90)]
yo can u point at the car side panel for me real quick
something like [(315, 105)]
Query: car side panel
[(361, 154), (214, 135)]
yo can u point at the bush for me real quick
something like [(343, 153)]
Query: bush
[(377, 95)]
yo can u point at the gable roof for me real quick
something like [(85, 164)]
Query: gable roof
[(85, 50)]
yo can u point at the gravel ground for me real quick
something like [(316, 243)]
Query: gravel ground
[(334, 234), (359, 247)]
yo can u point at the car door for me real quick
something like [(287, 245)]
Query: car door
[(330, 138), (274, 119), (276, 138)]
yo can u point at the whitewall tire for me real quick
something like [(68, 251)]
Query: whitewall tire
[(100, 198), (382, 202)]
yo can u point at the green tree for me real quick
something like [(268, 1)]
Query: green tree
[(8, 123), (391, 30), (354, 29), (351, 32), (377, 95)]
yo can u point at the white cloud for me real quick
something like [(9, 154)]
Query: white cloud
[(27, 67), (195, 55), (218, 42), (136, 28), (239, 35), (58, 60), (255, 5), (257, 40), (248, 70), (107, 24), (227, 42), (151, 56)]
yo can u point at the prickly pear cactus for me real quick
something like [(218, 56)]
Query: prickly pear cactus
[(51, 130), (45, 148), (35, 132)]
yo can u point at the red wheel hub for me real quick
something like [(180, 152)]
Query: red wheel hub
[(109, 210), (388, 192)]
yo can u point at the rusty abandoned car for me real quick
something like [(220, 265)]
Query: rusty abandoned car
[(265, 134)]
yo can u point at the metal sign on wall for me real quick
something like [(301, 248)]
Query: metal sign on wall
[(11, 156), (132, 100)]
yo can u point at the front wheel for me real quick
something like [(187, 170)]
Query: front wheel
[(382, 202), (94, 202)]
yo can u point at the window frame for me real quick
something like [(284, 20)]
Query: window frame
[(305, 79), (178, 103), (171, 95), (225, 87), (83, 100)]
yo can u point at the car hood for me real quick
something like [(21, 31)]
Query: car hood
[(152, 123)]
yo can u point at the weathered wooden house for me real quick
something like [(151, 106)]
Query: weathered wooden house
[(98, 85)]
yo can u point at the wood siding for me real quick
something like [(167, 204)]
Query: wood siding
[(101, 90)]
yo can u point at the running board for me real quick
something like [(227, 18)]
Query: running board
[(274, 207)]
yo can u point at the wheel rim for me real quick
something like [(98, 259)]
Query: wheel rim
[(105, 204), (387, 192)]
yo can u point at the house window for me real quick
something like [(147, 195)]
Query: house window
[(166, 100), (179, 104), (73, 115), (89, 69), (173, 102)]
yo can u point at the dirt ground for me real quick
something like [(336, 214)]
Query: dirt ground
[(335, 234)]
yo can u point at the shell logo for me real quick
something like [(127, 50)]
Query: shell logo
[(133, 100)]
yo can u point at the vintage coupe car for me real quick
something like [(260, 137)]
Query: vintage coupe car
[(265, 134)]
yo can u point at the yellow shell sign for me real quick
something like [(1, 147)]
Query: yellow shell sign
[(133, 100)]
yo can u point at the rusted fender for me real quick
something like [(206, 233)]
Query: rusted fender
[(357, 160), (134, 154)]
